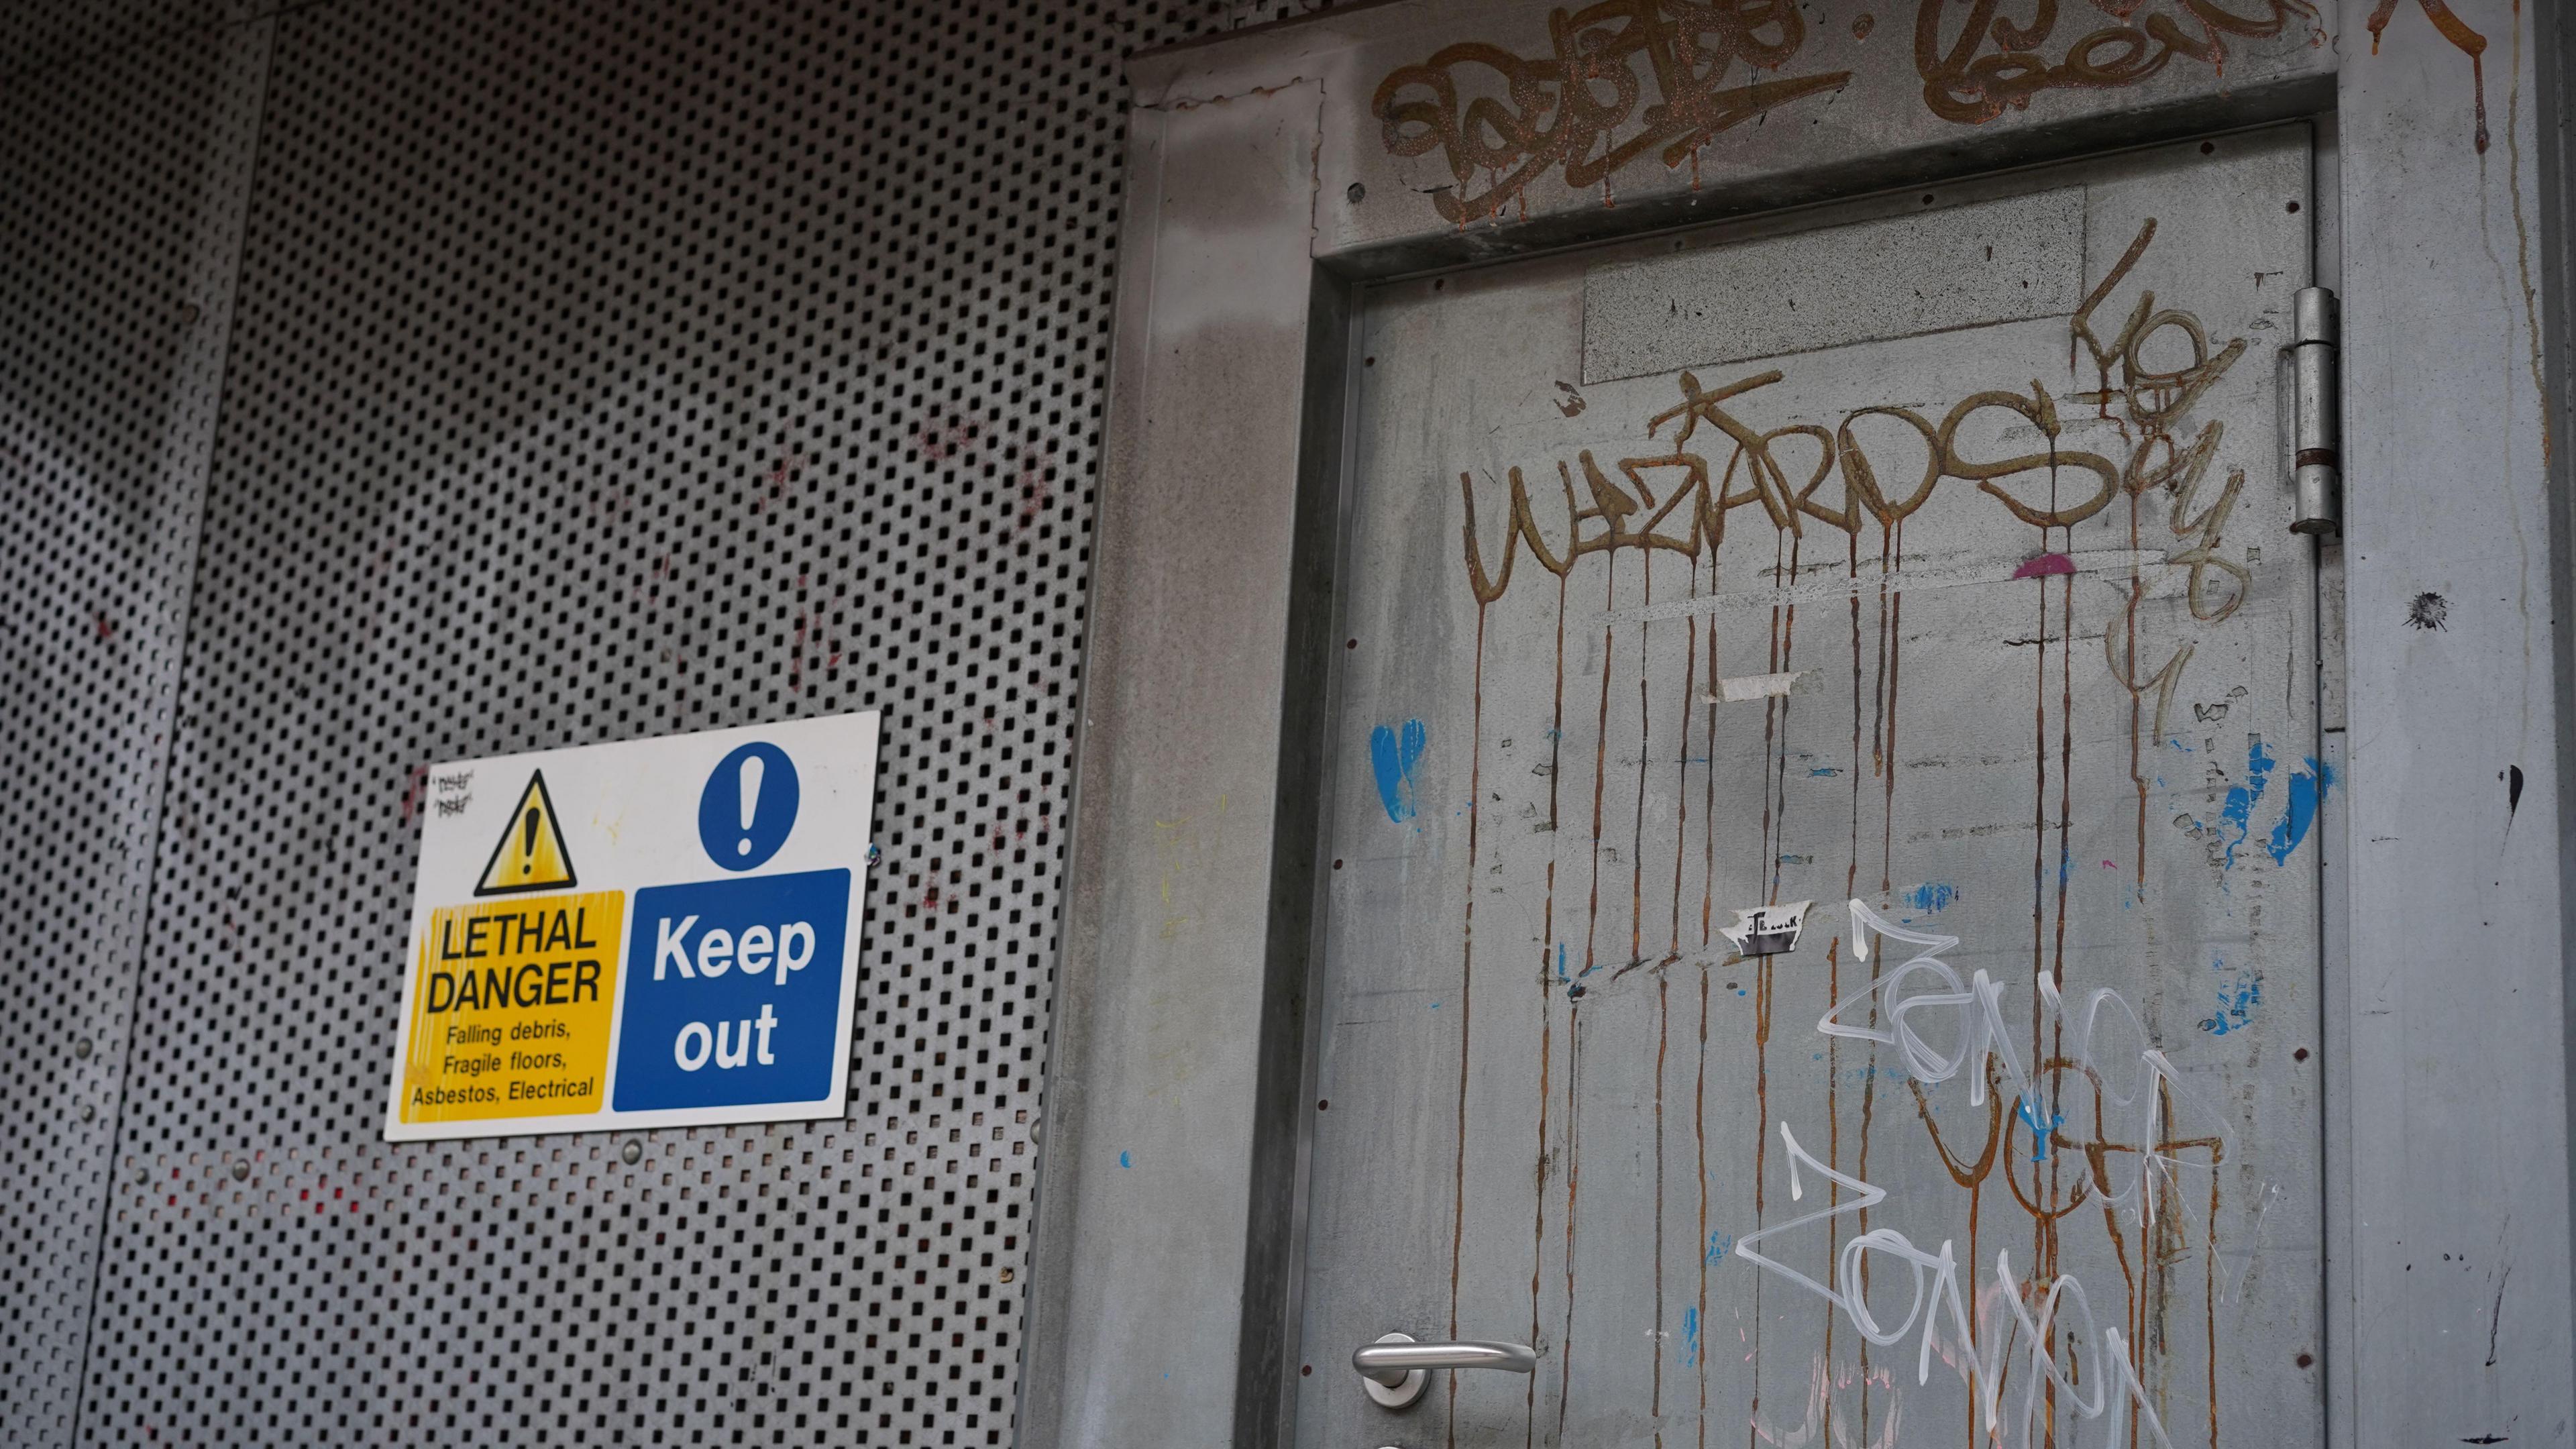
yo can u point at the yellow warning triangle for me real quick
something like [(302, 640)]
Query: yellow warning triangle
[(530, 855)]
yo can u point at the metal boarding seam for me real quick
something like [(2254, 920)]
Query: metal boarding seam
[(1037, 1408), (187, 464)]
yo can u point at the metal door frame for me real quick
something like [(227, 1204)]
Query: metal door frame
[(1163, 1302)]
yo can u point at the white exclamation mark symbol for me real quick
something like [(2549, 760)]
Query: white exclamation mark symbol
[(752, 767)]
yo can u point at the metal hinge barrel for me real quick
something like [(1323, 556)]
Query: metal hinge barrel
[(2316, 462)]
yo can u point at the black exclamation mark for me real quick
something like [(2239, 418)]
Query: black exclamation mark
[(528, 848)]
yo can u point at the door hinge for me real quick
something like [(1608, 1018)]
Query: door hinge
[(2316, 412)]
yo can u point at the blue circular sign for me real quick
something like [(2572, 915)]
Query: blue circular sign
[(748, 807)]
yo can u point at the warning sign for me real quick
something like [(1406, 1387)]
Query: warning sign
[(530, 854), (514, 1013), (700, 966)]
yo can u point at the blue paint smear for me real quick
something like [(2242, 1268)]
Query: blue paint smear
[(2236, 1002), (1822, 771), (1719, 1245), (2308, 787), (1394, 759), (2240, 798), (1125, 1161), (1690, 1337), (1932, 895), (2039, 1134), (1560, 960)]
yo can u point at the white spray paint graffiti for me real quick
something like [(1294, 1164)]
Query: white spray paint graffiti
[(1983, 1034), (1984, 1038), (1981, 1359)]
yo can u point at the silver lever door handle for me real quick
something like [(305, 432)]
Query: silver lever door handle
[(1395, 1366)]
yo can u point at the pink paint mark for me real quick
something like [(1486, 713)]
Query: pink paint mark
[(411, 792), (2044, 565), (105, 626), (2106, 865)]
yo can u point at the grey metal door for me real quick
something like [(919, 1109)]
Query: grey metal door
[(1927, 560)]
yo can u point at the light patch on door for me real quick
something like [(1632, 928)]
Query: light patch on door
[(1753, 686), (1768, 930)]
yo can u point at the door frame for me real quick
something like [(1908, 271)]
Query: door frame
[(1261, 198)]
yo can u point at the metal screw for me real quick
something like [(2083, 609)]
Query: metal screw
[(189, 313), (142, 1177), (1037, 1128), (241, 1172), (83, 1048), (88, 1112), (1357, 193), (633, 1152)]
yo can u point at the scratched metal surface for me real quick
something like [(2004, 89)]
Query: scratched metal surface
[(600, 372), (1556, 1107)]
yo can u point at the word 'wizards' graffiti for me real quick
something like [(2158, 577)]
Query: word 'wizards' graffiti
[(1679, 498)]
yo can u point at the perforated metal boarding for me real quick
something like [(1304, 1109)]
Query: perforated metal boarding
[(597, 372), (120, 178)]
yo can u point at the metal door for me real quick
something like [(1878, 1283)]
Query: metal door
[(1927, 560)]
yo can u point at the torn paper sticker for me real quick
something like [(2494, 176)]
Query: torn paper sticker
[(1753, 686), (1768, 930)]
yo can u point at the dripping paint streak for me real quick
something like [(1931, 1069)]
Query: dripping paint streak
[(1663, 1000), (1707, 901), (1883, 726), (1466, 998), (1699, 1134), (1574, 1012), (1547, 1016)]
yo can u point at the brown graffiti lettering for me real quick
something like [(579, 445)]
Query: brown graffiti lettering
[(1785, 493), (1976, 63), (2151, 402), (1586, 107)]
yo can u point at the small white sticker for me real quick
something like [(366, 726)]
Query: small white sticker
[(1768, 930)]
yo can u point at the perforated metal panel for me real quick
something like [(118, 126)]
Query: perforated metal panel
[(599, 371), (119, 185)]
